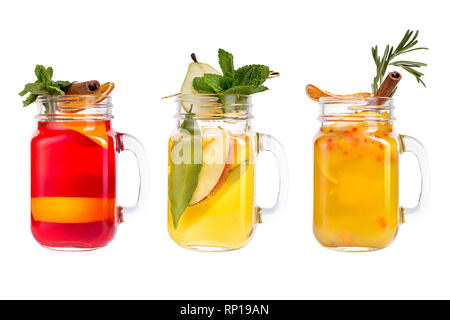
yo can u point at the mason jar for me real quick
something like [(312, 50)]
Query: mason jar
[(211, 187), (356, 174), (73, 173)]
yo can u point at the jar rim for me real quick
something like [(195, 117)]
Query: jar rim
[(371, 100), (215, 106), (77, 101), (216, 100), (74, 107), (211, 95), (356, 108)]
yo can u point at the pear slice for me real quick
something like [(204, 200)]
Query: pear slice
[(196, 69), (217, 152)]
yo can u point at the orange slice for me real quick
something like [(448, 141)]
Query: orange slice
[(102, 93), (94, 130), (105, 90), (323, 162), (314, 93), (72, 209)]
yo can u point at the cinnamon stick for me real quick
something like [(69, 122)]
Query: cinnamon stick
[(86, 87), (389, 84)]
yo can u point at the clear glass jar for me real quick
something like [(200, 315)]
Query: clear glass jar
[(356, 179), (212, 153), (73, 173)]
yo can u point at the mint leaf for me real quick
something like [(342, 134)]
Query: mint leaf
[(245, 90), (43, 75), (44, 85), (54, 90), (50, 73), (227, 81), (36, 88), (201, 86), (226, 62), (214, 81), (29, 100), (64, 84), (244, 81), (209, 83), (254, 74), (259, 89)]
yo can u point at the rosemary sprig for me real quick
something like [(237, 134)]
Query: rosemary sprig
[(407, 44)]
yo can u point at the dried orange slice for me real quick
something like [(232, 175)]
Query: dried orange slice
[(314, 93), (102, 93), (105, 90)]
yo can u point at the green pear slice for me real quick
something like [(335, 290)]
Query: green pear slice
[(196, 69)]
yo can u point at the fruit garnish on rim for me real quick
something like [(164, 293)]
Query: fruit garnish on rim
[(202, 78), (388, 87), (79, 95), (45, 86), (314, 93), (79, 100)]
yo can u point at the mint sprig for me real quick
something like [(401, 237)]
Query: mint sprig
[(246, 80), (44, 85)]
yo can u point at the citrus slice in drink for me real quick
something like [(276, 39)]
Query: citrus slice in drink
[(93, 129), (325, 145), (72, 209), (326, 172)]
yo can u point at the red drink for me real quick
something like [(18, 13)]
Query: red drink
[(73, 184)]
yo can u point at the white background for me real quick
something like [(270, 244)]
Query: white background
[(144, 47)]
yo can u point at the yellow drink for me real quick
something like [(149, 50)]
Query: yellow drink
[(356, 184), (225, 218)]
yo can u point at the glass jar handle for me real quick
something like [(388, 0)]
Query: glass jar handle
[(126, 142), (268, 143), (410, 144)]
